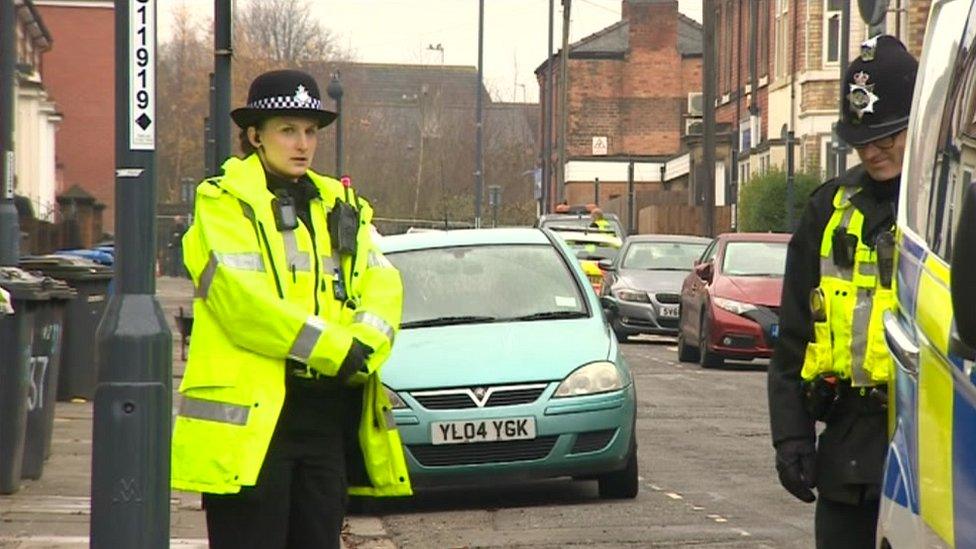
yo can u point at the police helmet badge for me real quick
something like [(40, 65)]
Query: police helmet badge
[(869, 48), (861, 96), (301, 95)]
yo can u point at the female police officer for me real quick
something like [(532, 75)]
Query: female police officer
[(282, 408)]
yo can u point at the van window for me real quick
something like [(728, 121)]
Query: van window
[(955, 159), (933, 83)]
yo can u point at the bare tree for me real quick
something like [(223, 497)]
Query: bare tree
[(285, 31)]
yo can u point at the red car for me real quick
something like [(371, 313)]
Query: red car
[(730, 301)]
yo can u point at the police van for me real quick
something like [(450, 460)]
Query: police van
[(929, 492)]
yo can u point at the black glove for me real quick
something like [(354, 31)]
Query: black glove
[(796, 465), (355, 360)]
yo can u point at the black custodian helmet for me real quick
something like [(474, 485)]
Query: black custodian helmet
[(879, 86), (283, 92)]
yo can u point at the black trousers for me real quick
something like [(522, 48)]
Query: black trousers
[(845, 526), (299, 499)]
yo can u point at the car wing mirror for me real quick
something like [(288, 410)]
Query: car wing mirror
[(963, 275), (606, 265), (704, 271)]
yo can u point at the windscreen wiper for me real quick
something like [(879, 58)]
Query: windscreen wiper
[(447, 321), (551, 315)]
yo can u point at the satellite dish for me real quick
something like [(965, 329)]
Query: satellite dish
[(872, 11)]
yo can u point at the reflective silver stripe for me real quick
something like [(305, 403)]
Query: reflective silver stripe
[(328, 264), (828, 268), (308, 336), (867, 269), (243, 261), (859, 337), (375, 321), (297, 260), (376, 259), (211, 410), (827, 265), (206, 278)]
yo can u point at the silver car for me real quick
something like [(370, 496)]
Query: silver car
[(642, 285)]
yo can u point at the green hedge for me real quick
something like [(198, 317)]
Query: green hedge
[(762, 200)]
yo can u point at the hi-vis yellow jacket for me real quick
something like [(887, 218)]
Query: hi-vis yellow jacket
[(849, 336), (263, 296)]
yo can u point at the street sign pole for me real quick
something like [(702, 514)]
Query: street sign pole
[(479, 168), (9, 225), (133, 400)]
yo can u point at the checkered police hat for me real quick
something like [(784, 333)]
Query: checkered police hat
[(878, 91), (284, 92)]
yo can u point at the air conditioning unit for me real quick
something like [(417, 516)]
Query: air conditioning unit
[(694, 126), (695, 104)]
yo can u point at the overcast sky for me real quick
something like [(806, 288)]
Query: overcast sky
[(401, 31)]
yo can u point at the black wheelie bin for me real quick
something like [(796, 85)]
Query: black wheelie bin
[(43, 381), (16, 335), (79, 370)]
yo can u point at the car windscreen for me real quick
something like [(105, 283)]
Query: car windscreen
[(754, 259), (664, 256), (486, 283), (594, 251)]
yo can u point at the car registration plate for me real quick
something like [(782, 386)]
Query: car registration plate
[(669, 311), (485, 430)]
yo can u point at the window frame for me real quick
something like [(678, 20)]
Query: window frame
[(829, 14)]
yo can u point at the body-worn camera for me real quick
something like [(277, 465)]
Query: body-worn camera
[(286, 217), (344, 227), (843, 247)]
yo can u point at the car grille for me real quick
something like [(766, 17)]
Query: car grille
[(668, 298), (476, 453), (592, 441), (468, 397)]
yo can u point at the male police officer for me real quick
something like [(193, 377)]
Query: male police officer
[(830, 362)]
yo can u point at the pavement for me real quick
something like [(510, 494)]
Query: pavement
[(54, 511)]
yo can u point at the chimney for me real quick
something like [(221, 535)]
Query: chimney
[(653, 23)]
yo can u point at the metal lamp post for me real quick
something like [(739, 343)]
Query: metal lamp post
[(335, 92)]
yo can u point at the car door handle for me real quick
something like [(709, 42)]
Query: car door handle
[(901, 344)]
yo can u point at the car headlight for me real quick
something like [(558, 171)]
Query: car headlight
[(631, 295), (593, 378), (733, 306), (395, 401)]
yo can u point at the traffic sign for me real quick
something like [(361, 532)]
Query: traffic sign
[(142, 75)]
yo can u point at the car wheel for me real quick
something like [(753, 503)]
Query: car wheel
[(686, 353), (707, 359), (622, 484)]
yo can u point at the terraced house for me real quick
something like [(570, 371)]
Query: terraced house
[(778, 70)]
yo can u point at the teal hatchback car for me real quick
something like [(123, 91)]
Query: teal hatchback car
[(505, 366)]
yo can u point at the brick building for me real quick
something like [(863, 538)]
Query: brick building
[(79, 73), (629, 90), (796, 77)]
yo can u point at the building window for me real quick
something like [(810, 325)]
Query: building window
[(831, 22), (782, 30), (828, 158), (763, 39), (744, 174), (745, 135)]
